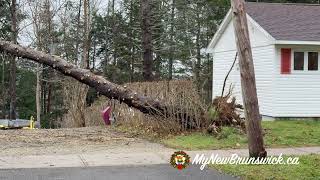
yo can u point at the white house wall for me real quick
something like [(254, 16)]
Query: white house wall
[(263, 55), (296, 94), (227, 39)]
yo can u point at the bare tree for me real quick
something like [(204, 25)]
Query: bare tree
[(83, 89), (42, 20), (37, 27), (248, 81), (75, 92)]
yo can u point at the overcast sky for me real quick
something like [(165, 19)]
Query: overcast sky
[(26, 33)]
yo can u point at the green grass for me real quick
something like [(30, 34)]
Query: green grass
[(308, 168), (277, 134)]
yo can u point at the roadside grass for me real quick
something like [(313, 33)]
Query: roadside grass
[(229, 138), (308, 168), (285, 133)]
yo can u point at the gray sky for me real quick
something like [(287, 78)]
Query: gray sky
[(26, 33)]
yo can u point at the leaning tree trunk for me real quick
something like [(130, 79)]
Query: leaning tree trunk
[(248, 82), (105, 87)]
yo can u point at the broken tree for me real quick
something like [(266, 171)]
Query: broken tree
[(248, 82), (104, 87)]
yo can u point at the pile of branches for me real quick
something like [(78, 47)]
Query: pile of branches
[(225, 111)]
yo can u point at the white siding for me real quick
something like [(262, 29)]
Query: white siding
[(296, 94), (263, 55)]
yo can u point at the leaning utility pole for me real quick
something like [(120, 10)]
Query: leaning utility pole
[(248, 82)]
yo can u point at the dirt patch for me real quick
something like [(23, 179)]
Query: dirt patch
[(69, 141)]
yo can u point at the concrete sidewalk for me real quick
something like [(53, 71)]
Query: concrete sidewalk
[(121, 159)]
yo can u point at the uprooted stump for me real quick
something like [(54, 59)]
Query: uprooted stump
[(225, 112)]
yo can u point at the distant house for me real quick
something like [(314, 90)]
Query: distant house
[(285, 40)]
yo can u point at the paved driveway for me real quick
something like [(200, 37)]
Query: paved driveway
[(150, 172)]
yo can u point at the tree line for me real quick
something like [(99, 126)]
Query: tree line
[(123, 40)]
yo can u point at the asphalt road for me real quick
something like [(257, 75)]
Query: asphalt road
[(150, 172)]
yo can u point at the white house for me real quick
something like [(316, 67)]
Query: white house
[(285, 40)]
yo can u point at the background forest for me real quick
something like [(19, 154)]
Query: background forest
[(124, 40)]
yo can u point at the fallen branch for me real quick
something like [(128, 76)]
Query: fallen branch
[(226, 78)]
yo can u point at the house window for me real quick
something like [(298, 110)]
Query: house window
[(313, 61), (298, 61)]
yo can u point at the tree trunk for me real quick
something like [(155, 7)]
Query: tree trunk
[(86, 42), (13, 68), (198, 50), (49, 98), (94, 54), (106, 55), (3, 91), (51, 50), (83, 89), (114, 43), (106, 88), (146, 39), (171, 41), (248, 82), (76, 50), (38, 94), (132, 49)]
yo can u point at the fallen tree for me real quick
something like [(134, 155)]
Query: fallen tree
[(113, 91)]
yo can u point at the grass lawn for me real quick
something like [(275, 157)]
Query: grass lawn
[(308, 168), (277, 134)]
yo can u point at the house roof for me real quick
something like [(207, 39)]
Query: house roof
[(287, 22), (282, 23)]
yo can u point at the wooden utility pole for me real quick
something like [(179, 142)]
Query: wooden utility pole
[(248, 82)]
